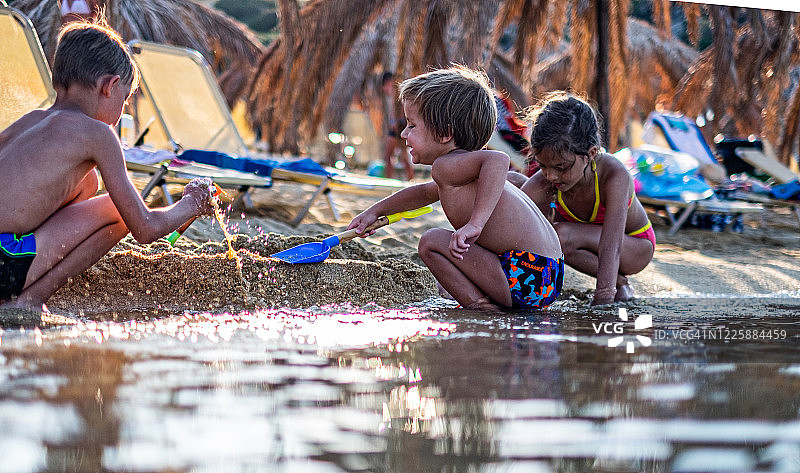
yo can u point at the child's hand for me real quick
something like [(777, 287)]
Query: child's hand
[(462, 238), (362, 221), (200, 192)]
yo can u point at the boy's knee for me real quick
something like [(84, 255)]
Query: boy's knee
[(432, 239)]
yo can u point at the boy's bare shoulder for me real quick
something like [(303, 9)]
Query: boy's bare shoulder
[(82, 125), (56, 123), (76, 129), (69, 135), (492, 153), (22, 124)]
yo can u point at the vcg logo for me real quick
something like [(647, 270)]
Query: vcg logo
[(617, 330)]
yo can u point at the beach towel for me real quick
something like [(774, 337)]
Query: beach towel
[(143, 156), (261, 167)]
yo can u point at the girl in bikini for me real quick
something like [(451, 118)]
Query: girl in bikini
[(603, 229)]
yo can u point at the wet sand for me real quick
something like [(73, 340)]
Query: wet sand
[(385, 269)]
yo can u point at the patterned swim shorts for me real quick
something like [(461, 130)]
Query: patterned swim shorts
[(535, 281)]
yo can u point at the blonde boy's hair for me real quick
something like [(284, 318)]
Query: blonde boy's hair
[(457, 102), (87, 51)]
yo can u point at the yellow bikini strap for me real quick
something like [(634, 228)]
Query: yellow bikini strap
[(596, 193), (641, 230)]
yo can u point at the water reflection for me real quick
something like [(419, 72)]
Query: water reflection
[(420, 390)]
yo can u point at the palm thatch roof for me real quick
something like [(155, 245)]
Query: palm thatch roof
[(224, 42), (746, 82), (656, 64), (295, 77), (408, 37)]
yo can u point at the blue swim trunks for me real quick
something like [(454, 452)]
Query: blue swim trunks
[(16, 256), (535, 281)]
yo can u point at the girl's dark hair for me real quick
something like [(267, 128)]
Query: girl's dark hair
[(564, 122)]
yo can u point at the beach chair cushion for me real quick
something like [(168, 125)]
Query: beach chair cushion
[(24, 75), (679, 212)]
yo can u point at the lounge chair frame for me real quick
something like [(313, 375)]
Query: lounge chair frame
[(678, 212)]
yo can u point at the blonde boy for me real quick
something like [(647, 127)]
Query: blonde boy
[(503, 251), (52, 225)]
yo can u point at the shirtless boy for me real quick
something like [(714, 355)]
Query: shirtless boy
[(52, 225)]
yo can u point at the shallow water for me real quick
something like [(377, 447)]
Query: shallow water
[(426, 389)]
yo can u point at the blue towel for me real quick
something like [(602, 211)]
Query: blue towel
[(260, 167)]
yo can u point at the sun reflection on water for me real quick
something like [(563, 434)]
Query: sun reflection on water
[(323, 327)]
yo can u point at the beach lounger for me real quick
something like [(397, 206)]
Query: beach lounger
[(772, 167), (785, 187), (786, 182), (680, 133), (678, 212), (196, 110), (25, 82), (182, 110), (179, 172), (768, 203)]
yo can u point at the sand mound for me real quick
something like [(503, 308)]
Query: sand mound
[(194, 276)]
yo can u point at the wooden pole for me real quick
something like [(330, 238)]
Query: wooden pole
[(601, 76)]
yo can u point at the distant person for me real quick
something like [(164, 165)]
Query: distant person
[(513, 130), (78, 10), (52, 226), (395, 124), (603, 228), (504, 252)]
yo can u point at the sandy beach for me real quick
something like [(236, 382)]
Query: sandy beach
[(385, 269)]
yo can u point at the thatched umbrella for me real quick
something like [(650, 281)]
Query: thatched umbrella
[(428, 33), (657, 64), (744, 80), (295, 78), (405, 37), (227, 44), (338, 48)]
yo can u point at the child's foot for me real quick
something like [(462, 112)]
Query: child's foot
[(624, 293), (485, 305), (443, 292)]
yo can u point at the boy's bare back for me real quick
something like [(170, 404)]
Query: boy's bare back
[(52, 224), (515, 222), (46, 155)]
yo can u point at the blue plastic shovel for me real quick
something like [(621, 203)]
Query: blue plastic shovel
[(317, 251)]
